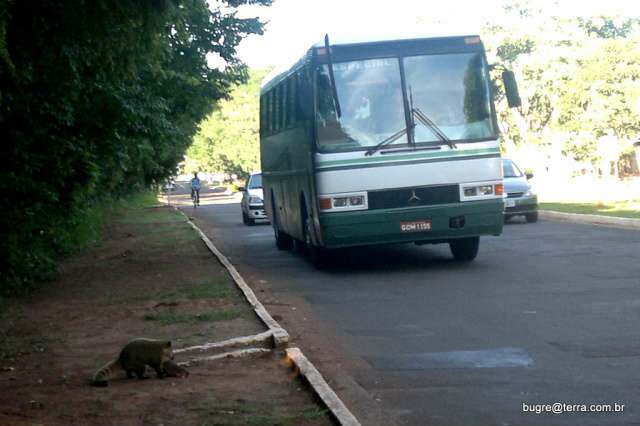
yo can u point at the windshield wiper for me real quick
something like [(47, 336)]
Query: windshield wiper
[(394, 137), (423, 119), (426, 121), (332, 77)]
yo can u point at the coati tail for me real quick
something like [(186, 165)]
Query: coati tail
[(102, 376)]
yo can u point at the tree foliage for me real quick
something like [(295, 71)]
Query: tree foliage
[(98, 98), (579, 79), (228, 139)]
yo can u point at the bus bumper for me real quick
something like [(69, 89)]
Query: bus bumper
[(473, 218)]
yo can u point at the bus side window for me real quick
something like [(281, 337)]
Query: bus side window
[(277, 111), (270, 111), (291, 107), (284, 104), (263, 114)]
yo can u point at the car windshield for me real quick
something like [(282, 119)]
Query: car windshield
[(255, 182), (453, 91), (371, 104), (510, 169)]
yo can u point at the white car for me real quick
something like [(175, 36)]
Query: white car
[(252, 203)]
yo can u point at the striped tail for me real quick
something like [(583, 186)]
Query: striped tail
[(102, 376)]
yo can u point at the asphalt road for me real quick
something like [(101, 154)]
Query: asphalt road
[(548, 312)]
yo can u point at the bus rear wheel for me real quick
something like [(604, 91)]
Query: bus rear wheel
[(464, 249)]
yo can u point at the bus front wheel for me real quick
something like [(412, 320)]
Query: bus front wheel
[(320, 257), (464, 249), (283, 241)]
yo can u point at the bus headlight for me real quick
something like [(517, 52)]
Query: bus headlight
[(481, 191), (485, 189), (343, 202)]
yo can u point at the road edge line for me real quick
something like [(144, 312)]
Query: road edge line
[(304, 367), (591, 219)]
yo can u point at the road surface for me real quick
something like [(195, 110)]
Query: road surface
[(548, 313)]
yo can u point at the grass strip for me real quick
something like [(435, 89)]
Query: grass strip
[(628, 209), (169, 318)]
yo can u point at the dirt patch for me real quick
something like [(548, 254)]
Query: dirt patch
[(150, 277)]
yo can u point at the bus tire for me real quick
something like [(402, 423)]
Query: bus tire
[(283, 241), (301, 246), (464, 249), (320, 257)]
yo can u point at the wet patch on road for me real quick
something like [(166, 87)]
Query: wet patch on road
[(487, 358)]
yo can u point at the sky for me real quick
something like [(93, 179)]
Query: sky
[(294, 25)]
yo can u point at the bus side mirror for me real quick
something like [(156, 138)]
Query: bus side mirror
[(511, 89)]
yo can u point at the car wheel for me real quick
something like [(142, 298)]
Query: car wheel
[(464, 249), (532, 217), (244, 217)]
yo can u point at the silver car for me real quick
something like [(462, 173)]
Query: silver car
[(252, 203), (520, 198)]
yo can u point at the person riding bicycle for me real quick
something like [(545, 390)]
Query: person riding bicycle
[(195, 188)]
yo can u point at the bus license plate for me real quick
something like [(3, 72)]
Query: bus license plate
[(415, 226)]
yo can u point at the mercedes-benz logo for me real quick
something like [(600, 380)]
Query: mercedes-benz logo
[(413, 197)]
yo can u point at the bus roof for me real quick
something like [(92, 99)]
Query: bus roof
[(282, 72), (363, 39)]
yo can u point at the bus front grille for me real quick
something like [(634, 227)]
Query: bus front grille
[(411, 197)]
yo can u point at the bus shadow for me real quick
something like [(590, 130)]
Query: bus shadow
[(400, 257)]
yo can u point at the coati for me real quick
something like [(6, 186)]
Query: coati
[(134, 358)]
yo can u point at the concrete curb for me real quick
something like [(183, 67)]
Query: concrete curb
[(304, 367), (233, 354), (591, 219), (321, 388), (280, 336), (236, 341)]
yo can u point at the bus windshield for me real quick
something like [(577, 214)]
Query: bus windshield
[(370, 96), (452, 90)]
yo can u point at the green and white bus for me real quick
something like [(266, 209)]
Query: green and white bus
[(383, 142)]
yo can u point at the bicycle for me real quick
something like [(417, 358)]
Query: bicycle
[(195, 196)]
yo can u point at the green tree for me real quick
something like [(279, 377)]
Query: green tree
[(228, 139), (578, 80), (96, 99)]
